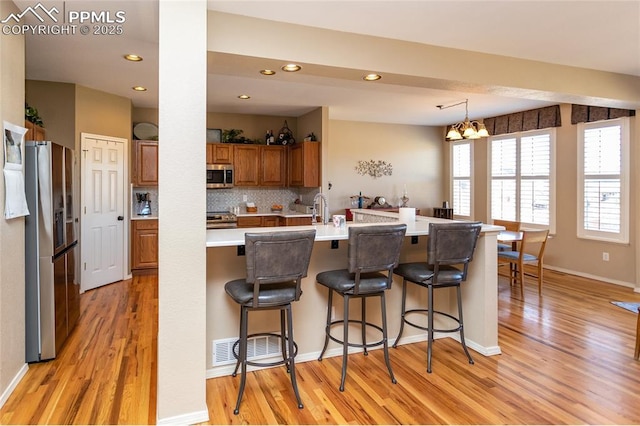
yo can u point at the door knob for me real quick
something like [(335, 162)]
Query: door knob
[(120, 217)]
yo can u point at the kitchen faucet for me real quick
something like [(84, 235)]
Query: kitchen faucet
[(325, 216)]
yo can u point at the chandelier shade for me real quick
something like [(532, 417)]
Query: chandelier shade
[(467, 129)]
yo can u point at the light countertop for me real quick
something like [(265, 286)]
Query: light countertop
[(290, 213), (235, 237), (143, 217)]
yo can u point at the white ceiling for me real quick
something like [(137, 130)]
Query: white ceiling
[(600, 35)]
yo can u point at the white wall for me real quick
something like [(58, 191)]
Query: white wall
[(415, 152), (12, 346), (182, 262)]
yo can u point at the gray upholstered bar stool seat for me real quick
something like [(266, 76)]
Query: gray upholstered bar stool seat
[(276, 264), (449, 244), (373, 252)]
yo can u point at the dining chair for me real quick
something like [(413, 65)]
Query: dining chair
[(530, 251), (509, 225)]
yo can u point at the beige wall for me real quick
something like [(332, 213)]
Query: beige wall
[(252, 126), (12, 327), (56, 105), (102, 113), (565, 251), (310, 122), (415, 152)]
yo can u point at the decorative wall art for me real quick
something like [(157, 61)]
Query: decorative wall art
[(374, 168)]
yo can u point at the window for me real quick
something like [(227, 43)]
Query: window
[(461, 178), (523, 178), (603, 180)]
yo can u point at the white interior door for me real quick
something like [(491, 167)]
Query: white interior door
[(103, 250)]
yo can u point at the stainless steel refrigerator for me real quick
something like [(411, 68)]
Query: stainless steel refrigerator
[(52, 291)]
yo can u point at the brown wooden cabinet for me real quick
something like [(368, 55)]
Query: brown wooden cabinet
[(246, 165), (271, 220), (249, 221), (273, 165), (295, 221), (144, 244), (219, 153), (304, 164), (260, 165), (34, 133), (145, 163)]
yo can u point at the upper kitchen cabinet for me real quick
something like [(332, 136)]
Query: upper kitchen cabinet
[(273, 171), (145, 163), (34, 132), (260, 165), (304, 164), (246, 165), (219, 153)]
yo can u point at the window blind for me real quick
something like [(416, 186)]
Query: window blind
[(461, 171)]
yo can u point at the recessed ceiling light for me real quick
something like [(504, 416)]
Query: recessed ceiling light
[(291, 68), (139, 88), (133, 58), (267, 72), (244, 97), (372, 77)]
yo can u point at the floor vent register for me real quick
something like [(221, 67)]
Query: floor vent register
[(258, 347)]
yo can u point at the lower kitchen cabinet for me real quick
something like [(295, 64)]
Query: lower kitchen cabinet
[(296, 221), (271, 220), (144, 244), (257, 221)]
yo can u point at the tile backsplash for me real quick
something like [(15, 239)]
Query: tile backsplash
[(153, 197), (264, 198)]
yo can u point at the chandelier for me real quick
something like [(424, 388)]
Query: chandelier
[(465, 129)]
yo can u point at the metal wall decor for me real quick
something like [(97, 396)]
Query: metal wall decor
[(374, 168)]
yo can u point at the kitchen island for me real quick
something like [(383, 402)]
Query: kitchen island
[(224, 263)]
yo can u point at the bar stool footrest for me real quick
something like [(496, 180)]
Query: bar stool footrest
[(426, 311), (354, 345)]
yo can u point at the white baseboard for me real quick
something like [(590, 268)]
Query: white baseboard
[(12, 386), (592, 277), (227, 370), (185, 419)]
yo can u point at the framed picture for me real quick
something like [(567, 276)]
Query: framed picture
[(214, 135)]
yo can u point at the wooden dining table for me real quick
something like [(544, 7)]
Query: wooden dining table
[(510, 237)]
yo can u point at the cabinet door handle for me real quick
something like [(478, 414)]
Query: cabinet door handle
[(120, 217)]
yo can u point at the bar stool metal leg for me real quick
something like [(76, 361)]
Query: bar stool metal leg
[(363, 325), (345, 342), (385, 343), (327, 328), (402, 312), (460, 320), (283, 338), (242, 355), (243, 326), (430, 329), (291, 362)]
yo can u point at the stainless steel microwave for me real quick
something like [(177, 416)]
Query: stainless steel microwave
[(219, 176)]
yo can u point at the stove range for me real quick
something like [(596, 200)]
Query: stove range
[(221, 220)]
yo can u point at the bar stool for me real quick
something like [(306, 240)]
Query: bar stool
[(448, 244), (276, 264), (373, 252)]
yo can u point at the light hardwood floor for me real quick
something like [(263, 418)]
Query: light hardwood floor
[(567, 359)]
